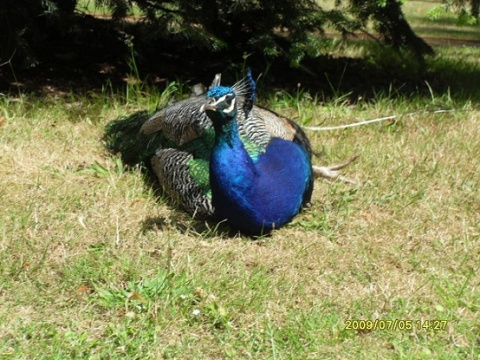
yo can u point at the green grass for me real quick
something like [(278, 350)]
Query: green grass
[(430, 20), (95, 264), (95, 8), (91, 7)]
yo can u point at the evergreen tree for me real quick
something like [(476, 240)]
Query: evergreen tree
[(291, 29)]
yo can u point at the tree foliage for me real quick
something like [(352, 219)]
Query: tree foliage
[(291, 29), (19, 24)]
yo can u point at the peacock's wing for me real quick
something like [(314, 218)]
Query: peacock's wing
[(261, 125), (183, 174), (180, 122), (177, 172), (282, 127), (182, 170)]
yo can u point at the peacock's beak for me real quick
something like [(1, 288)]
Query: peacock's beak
[(208, 106)]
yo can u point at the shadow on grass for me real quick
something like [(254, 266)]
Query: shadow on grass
[(440, 22), (85, 62), (457, 33), (184, 224)]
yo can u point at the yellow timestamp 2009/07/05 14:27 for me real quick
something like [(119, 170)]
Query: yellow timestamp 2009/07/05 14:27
[(396, 324)]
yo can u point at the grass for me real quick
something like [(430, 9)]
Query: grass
[(95, 264), (99, 9), (443, 26)]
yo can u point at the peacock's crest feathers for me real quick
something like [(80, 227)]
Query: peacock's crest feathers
[(219, 91), (248, 89)]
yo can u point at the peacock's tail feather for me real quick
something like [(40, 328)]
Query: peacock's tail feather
[(123, 136)]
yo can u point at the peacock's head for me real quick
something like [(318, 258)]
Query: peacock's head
[(221, 104)]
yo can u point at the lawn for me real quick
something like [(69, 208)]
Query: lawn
[(94, 263)]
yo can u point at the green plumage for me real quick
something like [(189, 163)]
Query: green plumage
[(200, 174), (253, 149)]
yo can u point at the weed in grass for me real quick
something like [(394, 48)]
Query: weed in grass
[(300, 106)]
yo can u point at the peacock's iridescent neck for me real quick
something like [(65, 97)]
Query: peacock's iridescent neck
[(226, 133)]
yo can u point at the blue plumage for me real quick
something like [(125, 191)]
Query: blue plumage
[(254, 194), (219, 91)]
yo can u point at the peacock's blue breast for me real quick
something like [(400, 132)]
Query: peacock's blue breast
[(256, 197)]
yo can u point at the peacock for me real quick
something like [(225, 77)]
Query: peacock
[(185, 143), (254, 189)]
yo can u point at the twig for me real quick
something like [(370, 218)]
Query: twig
[(9, 60), (392, 117)]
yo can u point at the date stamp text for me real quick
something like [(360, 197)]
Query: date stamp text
[(396, 324)]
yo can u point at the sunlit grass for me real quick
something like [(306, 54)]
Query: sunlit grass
[(92, 7), (99, 8), (430, 19)]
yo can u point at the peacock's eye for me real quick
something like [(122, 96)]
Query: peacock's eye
[(229, 99)]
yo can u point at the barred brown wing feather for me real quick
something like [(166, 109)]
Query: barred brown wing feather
[(173, 172), (180, 122)]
